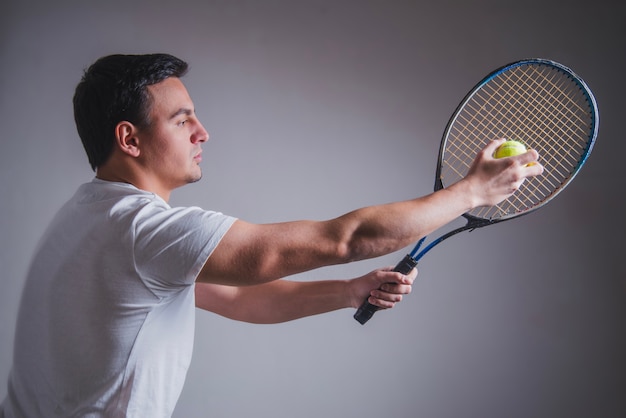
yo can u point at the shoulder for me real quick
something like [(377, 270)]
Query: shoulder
[(142, 211)]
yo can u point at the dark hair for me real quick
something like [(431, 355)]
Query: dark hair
[(114, 89)]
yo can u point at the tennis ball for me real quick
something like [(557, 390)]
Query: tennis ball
[(509, 149)]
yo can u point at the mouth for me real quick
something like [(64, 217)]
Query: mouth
[(198, 157)]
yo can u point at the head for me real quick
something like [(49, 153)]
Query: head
[(115, 89)]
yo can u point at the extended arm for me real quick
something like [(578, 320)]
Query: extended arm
[(284, 300), (252, 254)]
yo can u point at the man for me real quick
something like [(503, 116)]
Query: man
[(106, 322)]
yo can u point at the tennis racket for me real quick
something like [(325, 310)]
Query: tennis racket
[(538, 102)]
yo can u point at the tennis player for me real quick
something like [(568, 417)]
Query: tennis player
[(106, 322)]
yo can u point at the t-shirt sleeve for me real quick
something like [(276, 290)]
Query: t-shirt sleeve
[(172, 245)]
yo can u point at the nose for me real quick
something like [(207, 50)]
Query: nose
[(201, 134)]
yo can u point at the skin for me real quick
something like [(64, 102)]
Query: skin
[(240, 278)]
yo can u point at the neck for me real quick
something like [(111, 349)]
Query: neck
[(141, 182)]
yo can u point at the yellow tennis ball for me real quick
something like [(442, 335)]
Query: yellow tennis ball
[(509, 149)]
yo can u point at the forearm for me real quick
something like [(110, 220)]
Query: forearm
[(378, 230), (274, 302)]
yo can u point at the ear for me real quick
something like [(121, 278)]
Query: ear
[(127, 139)]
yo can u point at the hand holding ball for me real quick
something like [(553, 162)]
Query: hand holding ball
[(509, 149)]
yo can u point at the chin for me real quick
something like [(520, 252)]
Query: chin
[(195, 179)]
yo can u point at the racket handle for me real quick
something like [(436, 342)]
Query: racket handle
[(367, 310)]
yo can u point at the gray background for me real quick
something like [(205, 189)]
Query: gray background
[(319, 107)]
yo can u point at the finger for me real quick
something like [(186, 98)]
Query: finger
[(491, 146), (386, 302), (397, 277), (529, 164), (392, 289), (530, 156), (536, 167)]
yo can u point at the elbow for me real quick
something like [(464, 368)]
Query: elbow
[(362, 245), (349, 244), (354, 249)]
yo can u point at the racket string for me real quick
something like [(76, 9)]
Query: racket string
[(541, 105)]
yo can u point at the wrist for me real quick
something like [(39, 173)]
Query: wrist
[(353, 295), (465, 194)]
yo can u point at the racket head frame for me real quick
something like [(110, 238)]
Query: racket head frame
[(475, 221)]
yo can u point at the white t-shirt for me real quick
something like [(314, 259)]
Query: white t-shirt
[(106, 323)]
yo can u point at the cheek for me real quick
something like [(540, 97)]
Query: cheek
[(158, 146), (166, 150), (172, 158), (156, 154)]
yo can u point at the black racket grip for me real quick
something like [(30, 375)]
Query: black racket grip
[(367, 310)]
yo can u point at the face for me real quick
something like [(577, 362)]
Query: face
[(171, 145)]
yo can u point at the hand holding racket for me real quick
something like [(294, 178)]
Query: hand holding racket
[(538, 102)]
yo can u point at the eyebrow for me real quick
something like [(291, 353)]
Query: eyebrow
[(182, 111)]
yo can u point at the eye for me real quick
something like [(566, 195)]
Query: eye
[(182, 122)]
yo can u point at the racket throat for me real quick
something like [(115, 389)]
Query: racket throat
[(405, 265)]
